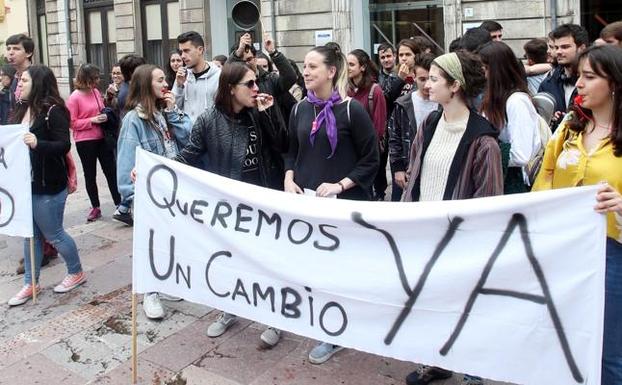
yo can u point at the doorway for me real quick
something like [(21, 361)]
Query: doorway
[(392, 21)]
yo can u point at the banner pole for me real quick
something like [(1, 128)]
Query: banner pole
[(134, 347), (33, 280)]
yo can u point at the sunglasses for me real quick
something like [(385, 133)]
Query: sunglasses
[(250, 84)]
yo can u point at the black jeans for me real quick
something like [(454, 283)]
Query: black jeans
[(90, 151), (380, 182)]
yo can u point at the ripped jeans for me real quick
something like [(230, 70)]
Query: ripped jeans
[(48, 212)]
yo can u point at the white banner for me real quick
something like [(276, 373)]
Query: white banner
[(15, 188), (509, 288)]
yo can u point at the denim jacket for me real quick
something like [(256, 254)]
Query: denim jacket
[(136, 131)]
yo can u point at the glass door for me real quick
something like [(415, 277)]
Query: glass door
[(392, 21)]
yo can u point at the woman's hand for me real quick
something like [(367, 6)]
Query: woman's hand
[(169, 99), (328, 189), (31, 140), (609, 199), (291, 187), (401, 179), (403, 71), (264, 101), (133, 175), (98, 119)]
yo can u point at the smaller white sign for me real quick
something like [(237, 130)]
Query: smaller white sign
[(467, 26), (15, 189), (323, 37)]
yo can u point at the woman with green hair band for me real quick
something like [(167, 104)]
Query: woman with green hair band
[(455, 154)]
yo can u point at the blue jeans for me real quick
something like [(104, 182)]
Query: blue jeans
[(48, 212), (612, 339)]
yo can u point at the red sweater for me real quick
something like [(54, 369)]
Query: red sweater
[(379, 114)]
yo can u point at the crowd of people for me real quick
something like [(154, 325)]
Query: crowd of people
[(457, 125)]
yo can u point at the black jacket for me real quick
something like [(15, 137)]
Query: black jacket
[(277, 85), (49, 171), (402, 130), (391, 85), (554, 84), (222, 144)]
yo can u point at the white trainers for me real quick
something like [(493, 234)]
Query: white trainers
[(270, 337), (220, 326), (172, 298), (152, 306), (323, 352)]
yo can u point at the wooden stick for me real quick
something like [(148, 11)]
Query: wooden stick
[(134, 347), (33, 280)]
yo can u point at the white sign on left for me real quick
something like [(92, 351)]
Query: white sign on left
[(15, 189)]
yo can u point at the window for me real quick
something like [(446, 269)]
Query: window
[(42, 28), (159, 38), (101, 37)]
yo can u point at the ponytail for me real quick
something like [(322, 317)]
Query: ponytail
[(333, 57)]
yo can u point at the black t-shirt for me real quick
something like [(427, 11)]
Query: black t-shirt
[(250, 167), (199, 74)]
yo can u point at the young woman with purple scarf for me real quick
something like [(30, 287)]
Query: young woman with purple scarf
[(333, 144)]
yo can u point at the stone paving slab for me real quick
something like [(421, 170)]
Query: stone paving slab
[(38, 370), (199, 376)]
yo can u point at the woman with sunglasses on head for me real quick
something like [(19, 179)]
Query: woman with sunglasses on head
[(333, 144), (454, 154), (43, 110), (85, 105), (586, 150), (242, 137)]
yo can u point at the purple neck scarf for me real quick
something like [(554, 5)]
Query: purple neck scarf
[(325, 114)]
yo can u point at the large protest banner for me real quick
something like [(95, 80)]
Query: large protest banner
[(509, 288), (15, 190)]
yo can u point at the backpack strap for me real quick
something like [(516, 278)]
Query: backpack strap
[(47, 116), (348, 109), (370, 99)]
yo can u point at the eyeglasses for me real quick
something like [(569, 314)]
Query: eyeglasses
[(250, 84)]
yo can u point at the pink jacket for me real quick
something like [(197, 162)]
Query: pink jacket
[(82, 107)]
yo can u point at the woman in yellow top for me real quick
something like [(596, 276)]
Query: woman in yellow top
[(587, 150)]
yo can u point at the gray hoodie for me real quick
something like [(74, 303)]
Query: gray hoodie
[(197, 95)]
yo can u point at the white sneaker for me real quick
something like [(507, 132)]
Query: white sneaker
[(220, 326), (323, 352), (152, 306), (172, 298), (270, 337)]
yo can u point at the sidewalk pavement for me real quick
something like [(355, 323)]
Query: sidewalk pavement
[(83, 337)]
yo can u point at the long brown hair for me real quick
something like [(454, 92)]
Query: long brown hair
[(230, 75), (370, 74), (141, 91), (505, 77), (43, 94), (606, 61), (87, 76)]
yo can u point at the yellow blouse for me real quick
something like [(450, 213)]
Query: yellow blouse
[(566, 163)]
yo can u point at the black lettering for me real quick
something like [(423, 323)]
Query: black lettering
[(180, 271), (308, 289), (275, 218), (263, 295), (220, 216), (303, 239), (518, 220), (183, 208), (290, 310), (344, 319), (333, 238), (2, 159), (171, 261), (194, 210), (241, 218), (240, 290), (209, 263), (7, 204), (412, 294), (168, 203)]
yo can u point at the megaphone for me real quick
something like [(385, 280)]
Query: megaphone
[(245, 14)]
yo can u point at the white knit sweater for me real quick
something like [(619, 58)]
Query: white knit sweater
[(438, 158)]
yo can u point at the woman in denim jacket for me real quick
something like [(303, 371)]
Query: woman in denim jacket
[(155, 124)]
